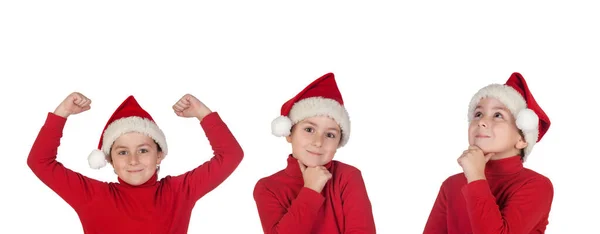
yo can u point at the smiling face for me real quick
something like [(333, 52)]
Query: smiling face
[(315, 140), (493, 129), (135, 157)]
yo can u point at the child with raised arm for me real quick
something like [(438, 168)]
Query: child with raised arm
[(135, 146)]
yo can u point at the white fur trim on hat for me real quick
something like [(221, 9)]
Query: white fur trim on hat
[(314, 106), (120, 127), (526, 120)]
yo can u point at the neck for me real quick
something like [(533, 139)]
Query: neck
[(150, 182), (506, 154)]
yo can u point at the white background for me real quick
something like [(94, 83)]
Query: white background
[(407, 73)]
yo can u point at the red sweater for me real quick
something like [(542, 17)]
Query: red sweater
[(511, 200), (285, 206), (162, 207)]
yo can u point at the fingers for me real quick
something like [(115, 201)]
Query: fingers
[(81, 101), (179, 107), (474, 148)]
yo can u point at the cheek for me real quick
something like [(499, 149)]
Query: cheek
[(504, 131), (149, 159), (118, 162)]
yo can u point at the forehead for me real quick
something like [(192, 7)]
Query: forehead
[(321, 121), (133, 138), (490, 103)]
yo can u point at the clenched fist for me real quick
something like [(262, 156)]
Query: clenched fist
[(189, 106), (74, 104), (315, 178), (473, 163)]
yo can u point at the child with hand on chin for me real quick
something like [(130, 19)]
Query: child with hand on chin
[(495, 194), (314, 193), (135, 146)]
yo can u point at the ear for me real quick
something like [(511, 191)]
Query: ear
[(161, 156), (521, 144), (109, 159), (289, 138)]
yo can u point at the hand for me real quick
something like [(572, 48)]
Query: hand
[(74, 104), (315, 178), (473, 163), (190, 106)]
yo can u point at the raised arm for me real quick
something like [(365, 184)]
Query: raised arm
[(73, 187), (228, 153)]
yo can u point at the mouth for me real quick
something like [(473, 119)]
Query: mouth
[(481, 136), (135, 171), (314, 153)]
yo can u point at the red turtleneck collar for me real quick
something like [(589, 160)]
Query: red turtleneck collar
[(505, 166), (293, 169), (151, 182)]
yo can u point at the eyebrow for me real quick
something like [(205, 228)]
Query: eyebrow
[(313, 124), (140, 145)]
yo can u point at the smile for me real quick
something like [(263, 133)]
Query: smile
[(134, 171), (481, 136), (313, 153)]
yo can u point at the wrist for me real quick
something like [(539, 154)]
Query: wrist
[(61, 113), (313, 188), (474, 177), (203, 112)]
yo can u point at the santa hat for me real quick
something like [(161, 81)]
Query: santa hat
[(515, 95), (320, 98), (129, 117)]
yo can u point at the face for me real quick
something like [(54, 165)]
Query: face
[(493, 129), (315, 140), (135, 157)]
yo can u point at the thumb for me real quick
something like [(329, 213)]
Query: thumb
[(302, 166)]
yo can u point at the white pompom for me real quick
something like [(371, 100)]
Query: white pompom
[(97, 159), (281, 126), (527, 120)]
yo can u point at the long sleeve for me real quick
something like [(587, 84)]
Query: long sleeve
[(228, 154), (358, 213), (436, 223), (299, 218), (520, 214), (71, 186)]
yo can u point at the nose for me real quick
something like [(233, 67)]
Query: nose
[(134, 159), (482, 123), (317, 140)]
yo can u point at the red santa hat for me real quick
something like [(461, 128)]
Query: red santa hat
[(129, 117), (515, 95), (320, 98)]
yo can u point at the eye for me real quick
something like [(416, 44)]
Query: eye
[(143, 151), (122, 152), (330, 135), (478, 114), (497, 115), (308, 129)]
